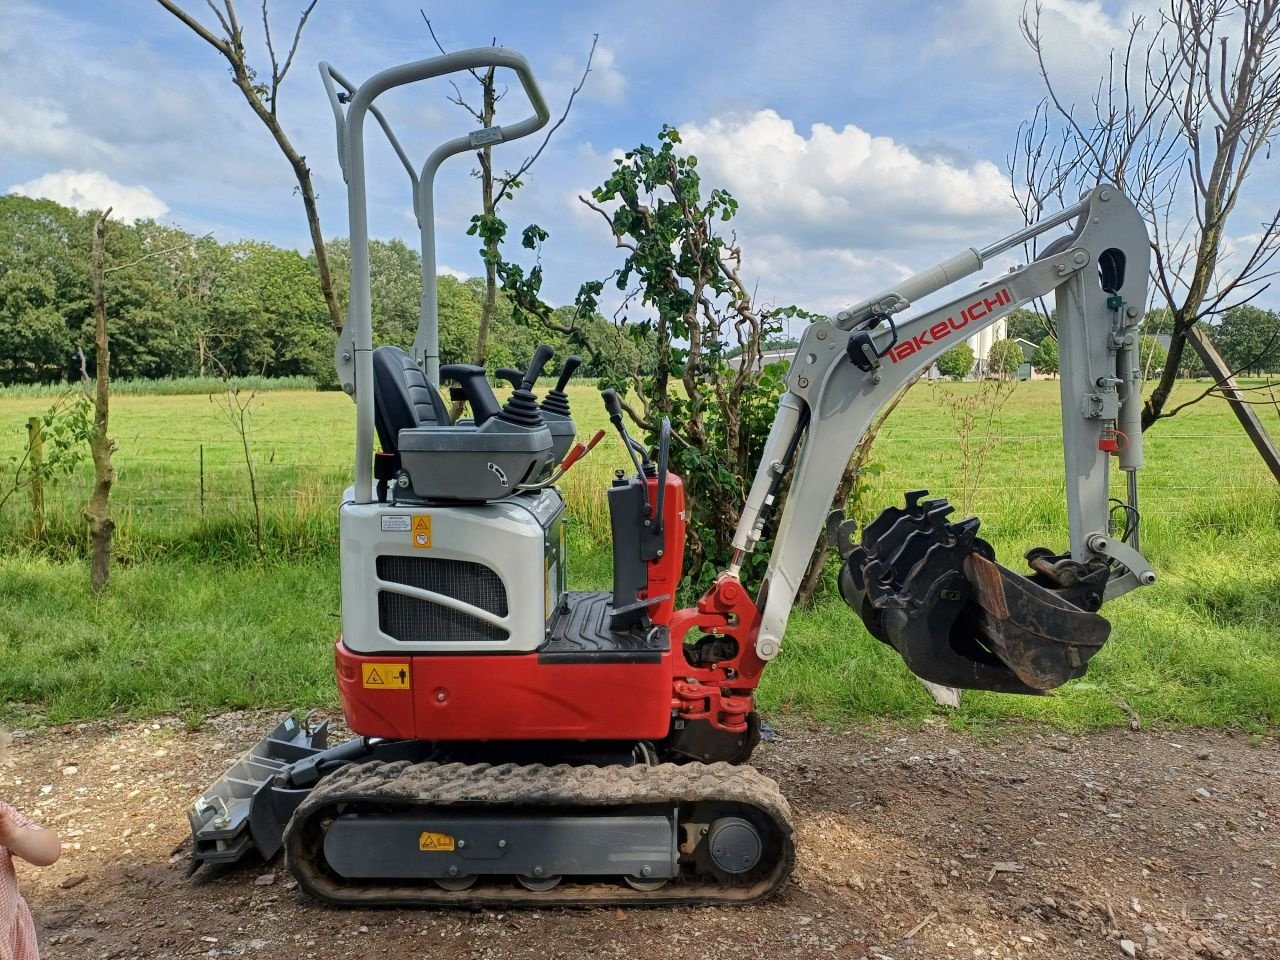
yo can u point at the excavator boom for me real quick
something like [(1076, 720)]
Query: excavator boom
[(846, 370)]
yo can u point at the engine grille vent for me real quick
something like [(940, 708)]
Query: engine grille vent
[(471, 583), (411, 620)]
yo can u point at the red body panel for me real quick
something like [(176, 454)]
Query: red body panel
[(664, 573), (460, 696), (508, 697)]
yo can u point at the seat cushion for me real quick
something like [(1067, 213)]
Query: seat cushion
[(403, 397)]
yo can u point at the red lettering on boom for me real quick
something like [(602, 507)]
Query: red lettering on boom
[(944, 328)]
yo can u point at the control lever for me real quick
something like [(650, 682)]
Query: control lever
[(613, 404), (579, 451), (556, 400), (511, 375), (521, 408), (541, 357), (664, 455), (484, 405)]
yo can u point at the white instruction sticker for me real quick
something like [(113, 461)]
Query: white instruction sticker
[(397, 524)]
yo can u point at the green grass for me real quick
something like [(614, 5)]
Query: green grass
[(192, 624)]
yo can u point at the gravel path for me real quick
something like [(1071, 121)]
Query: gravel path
[(920, 844)]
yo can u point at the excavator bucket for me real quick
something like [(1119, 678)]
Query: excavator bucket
[(934, 592)]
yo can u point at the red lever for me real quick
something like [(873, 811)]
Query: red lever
[(579, 451)]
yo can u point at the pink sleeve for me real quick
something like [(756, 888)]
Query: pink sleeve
[(18, 818)]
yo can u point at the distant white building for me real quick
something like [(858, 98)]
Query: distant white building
[(766, 358), (982, 341)]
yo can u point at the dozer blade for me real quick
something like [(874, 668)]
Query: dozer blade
[(934, 592), (237, 812)]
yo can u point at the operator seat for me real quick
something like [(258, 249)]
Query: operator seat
[(403, 398)]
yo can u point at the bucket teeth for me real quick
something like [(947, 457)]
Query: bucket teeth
[(934, 592)]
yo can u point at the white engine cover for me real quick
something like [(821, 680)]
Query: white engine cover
[(408, 584)]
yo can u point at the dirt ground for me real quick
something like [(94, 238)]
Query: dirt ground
[(916, 845)]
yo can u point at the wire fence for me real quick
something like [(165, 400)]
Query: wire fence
[(197, 477)]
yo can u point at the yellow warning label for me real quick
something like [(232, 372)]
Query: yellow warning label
[(435, 842), (422, 531), (386, 676)]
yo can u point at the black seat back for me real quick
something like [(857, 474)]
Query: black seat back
[(403, 397)]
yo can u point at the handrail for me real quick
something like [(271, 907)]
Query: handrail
[(353, 355)]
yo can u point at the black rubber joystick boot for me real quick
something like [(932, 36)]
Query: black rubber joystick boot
[(521, 409), (556, 400)]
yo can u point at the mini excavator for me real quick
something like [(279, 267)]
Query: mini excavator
[(519, 743)]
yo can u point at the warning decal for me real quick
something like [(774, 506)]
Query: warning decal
[(385, 676), (422, 531), (435, 843)]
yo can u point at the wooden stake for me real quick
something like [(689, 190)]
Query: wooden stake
[(35, 461)]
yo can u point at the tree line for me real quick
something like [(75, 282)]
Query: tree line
[(186, 305)]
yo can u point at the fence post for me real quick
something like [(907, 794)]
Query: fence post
[(202, 480), (35, 461)]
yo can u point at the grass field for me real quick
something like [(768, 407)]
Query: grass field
[(193, 622)]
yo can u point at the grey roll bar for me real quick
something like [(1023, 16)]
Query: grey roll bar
[(353, 355)]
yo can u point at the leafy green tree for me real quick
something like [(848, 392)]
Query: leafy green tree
[(269, 314), (957, 363), (1045, 357), (395, 286), (1249, 339), (1027, 325), (1151, 355), (1004, 358), (1158, 320), (141, 307), (34, 342), (681, 273)]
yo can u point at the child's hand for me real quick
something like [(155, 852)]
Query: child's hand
[(23, 839), (9, 827)]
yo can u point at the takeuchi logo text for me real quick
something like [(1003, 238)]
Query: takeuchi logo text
[(944, 328)]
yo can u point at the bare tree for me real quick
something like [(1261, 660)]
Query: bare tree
[(98, 510), (495, 189), (102, 445), (263, 98), (1178, 121)]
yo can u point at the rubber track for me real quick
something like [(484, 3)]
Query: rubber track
[(403, 785)]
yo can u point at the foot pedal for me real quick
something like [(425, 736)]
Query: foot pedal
[(934, 592)]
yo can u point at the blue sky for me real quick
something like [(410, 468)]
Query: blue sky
[(863, 140)]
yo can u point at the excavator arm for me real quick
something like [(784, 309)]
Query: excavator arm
[(913, 570)]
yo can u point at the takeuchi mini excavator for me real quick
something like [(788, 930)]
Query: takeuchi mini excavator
[(522, 743)]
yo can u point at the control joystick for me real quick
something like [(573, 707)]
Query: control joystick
[(521, 409), (557, 401)]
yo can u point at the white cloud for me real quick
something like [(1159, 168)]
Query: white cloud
[(94, 190), (445, 271), (1078, 36), (605, 84), (846, 188), (41, 128)]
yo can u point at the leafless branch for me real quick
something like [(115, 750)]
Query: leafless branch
[(506, 182)]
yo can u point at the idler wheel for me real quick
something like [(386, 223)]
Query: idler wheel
[(734, 845), (540, 884)]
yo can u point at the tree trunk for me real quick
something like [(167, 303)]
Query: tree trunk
[(101, 526), (491, 248)]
